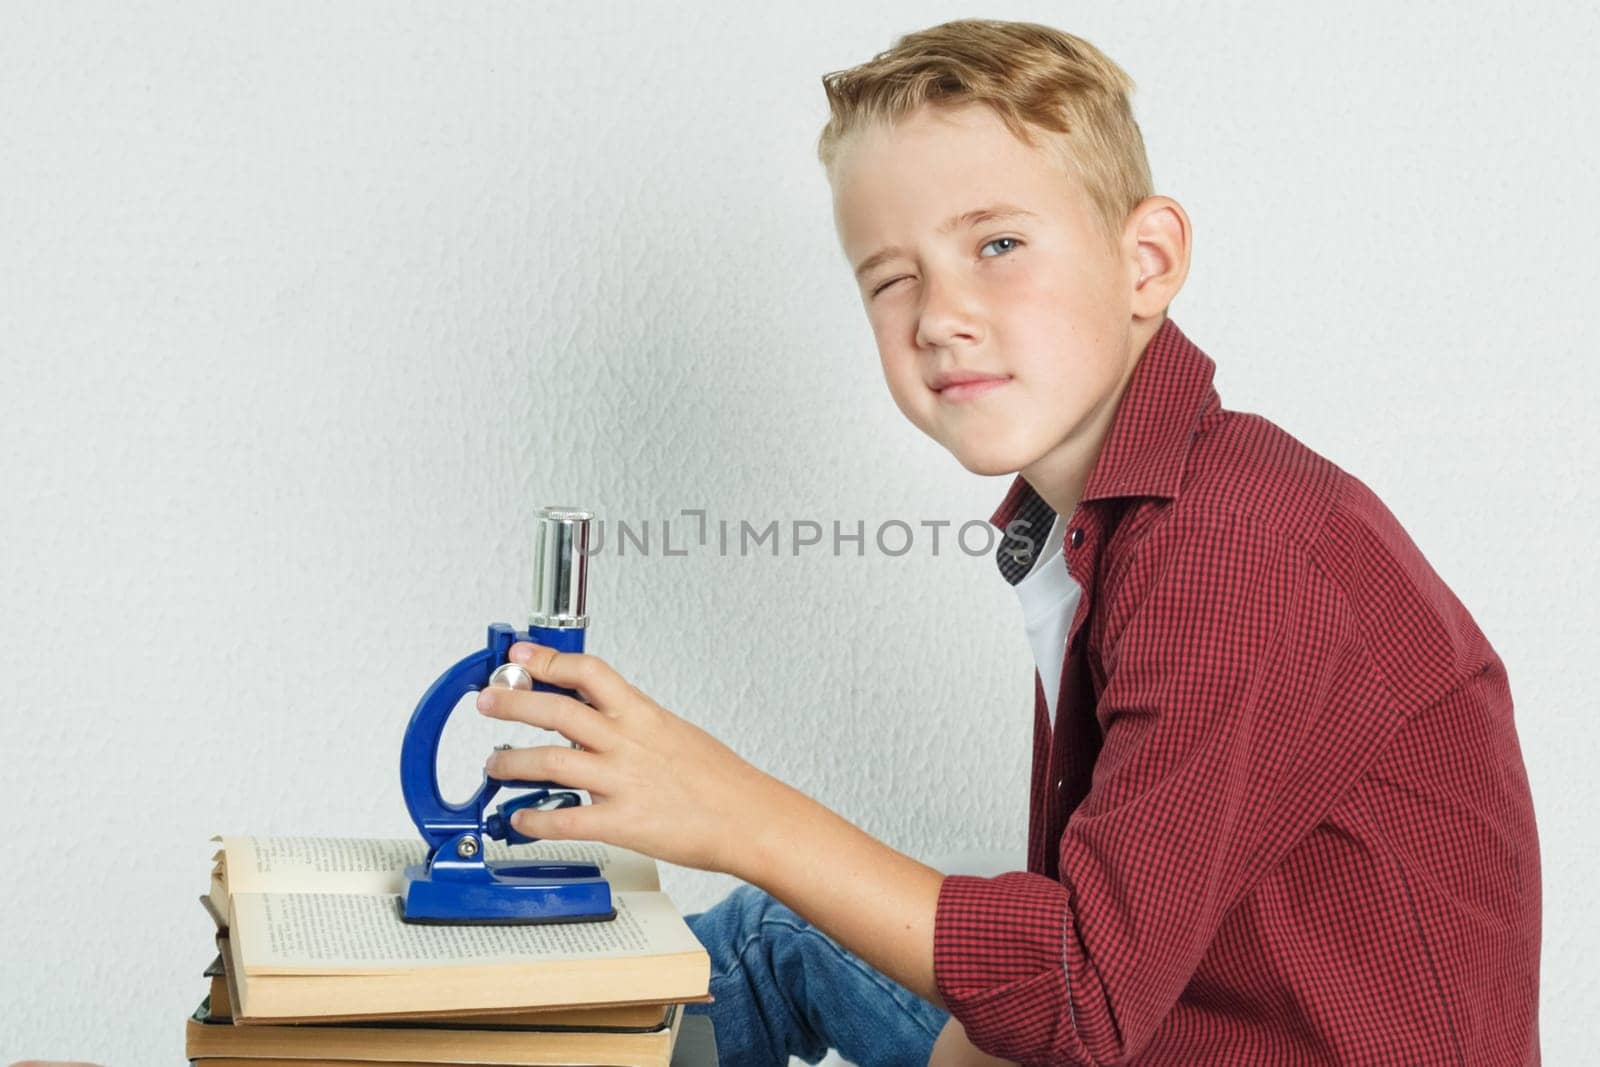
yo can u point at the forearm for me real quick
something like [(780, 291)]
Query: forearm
[(954, 1049), (874, 901)]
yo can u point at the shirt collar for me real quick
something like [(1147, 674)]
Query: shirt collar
[(1148, 443)]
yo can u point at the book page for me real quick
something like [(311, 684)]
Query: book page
[(347, 933), (377, 865)]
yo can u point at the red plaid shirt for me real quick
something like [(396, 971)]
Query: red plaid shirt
[(1283, 817)]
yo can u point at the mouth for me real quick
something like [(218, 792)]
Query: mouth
[(957, 392)]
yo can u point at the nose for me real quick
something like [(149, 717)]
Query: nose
[(947, 314)]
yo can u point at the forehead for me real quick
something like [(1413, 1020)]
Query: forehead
[(891, 180)]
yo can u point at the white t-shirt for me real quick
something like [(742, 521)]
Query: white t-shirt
[(1049, 596)]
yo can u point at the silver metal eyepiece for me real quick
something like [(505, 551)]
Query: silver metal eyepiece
[(560, 568)]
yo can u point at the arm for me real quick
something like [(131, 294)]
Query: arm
[(954, 1049), (664, 787), (876, 902)]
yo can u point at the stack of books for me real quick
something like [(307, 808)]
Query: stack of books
[(315, 966)]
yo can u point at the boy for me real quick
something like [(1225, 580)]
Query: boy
[(1279, 813)]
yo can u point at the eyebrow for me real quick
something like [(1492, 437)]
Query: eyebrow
[(992, 213)]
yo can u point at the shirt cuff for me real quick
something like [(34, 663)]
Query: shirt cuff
[(999, 962)]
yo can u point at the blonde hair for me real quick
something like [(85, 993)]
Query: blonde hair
[(1033, 77)]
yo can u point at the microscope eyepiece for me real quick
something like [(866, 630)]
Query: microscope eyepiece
[(560, 568)]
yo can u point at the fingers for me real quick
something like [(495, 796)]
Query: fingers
[(549, 763), (586, 823), (572, 719), (591, 676)]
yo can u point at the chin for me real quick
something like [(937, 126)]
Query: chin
[(989, 462)]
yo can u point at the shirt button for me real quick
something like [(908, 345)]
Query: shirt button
[(1077, 537)]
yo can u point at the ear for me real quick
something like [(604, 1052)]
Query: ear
[(1157, 238)]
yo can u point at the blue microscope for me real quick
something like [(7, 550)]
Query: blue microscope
[(456, 884)]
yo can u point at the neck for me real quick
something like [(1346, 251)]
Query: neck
[(1059, 475)]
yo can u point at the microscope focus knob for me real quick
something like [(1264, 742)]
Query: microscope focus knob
[(512, 676)]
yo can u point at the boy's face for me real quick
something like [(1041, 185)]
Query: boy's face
[(1041, 301)]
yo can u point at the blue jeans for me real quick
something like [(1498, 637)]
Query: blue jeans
[(783, 988)]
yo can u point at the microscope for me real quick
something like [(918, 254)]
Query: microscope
[(456, 883)]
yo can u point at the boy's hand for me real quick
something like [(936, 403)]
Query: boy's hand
[(660, 785)]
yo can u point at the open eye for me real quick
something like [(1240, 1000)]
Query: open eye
[(997, 240)]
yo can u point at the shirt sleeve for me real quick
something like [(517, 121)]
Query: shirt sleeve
[(1238, 705)]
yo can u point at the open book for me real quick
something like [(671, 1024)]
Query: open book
[(314, 932)]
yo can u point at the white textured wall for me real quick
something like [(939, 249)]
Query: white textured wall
[(305, 308)]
